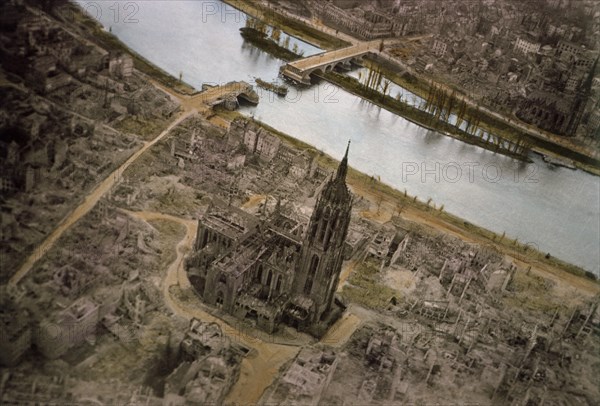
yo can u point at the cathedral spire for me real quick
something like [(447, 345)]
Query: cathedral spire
[(343, 168)]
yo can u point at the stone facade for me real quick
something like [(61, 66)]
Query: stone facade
[(270, 271), (120, 65), (439, 48), (527, 47)]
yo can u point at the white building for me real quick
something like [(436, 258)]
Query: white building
[(526, 47)]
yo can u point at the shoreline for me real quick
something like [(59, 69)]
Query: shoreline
[(134, 239), (471, 140), (404, 110), (428, 213), (95, 32), (351, 85), (483, 235), (293, 26), (540, 144)]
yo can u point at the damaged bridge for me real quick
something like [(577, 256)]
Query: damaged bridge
[(227, 95)]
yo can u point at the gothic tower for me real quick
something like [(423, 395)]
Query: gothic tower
[(320, 264)]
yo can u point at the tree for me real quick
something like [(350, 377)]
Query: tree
[(385, 87), (260, 26), (399, 209)]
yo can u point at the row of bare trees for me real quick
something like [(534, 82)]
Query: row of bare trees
[(444, 106), (375, 81), (274, 34), (441, 105)]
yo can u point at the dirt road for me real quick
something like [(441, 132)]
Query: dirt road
[(388, 206), (88, 203), (258, 370), (190, 105)]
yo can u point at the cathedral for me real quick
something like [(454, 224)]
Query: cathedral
[(274, 269)]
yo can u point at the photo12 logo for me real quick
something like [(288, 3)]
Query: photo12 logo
[(454, 172), (228, 13), (224, 11), (127, 12), (323, 92), (118, 11)]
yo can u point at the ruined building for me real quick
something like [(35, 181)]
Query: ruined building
[(274, 270), (209, 368), (558, 113)]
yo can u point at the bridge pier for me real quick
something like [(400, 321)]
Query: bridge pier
[(227, 95), (346, 65), (301, 70)]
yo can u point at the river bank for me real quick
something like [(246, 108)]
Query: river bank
[(422, 87), (416, 115), (157, 184), (519, 250), (411, 113), (392, 201), (95, 32), (292, 26)]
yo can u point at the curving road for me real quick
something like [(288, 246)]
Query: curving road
[(260, 369), (257, 371)]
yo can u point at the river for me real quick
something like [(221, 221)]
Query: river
[(557, 210)]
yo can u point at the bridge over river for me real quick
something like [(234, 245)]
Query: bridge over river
[(226, 94), (301, 70)]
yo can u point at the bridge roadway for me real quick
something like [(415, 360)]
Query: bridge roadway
[(212, 96), (190, 104), (219, 94), (300, 70)]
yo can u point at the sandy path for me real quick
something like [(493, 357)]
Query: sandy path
[(257, 371), (88, 203), (342, 329), (564, 280), (260, 369), (190, 105), (347, 269)]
